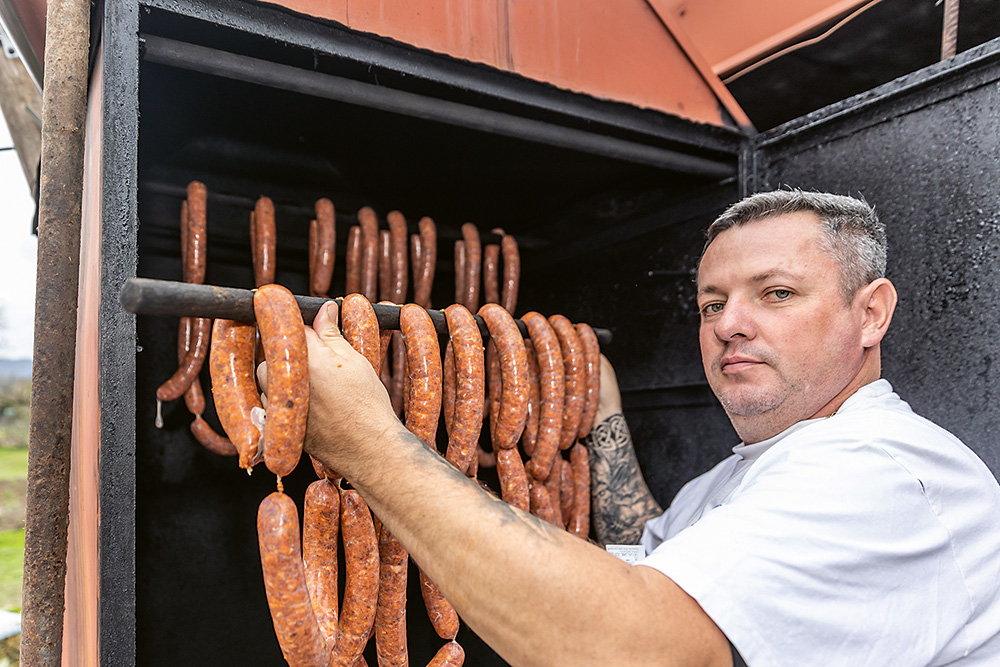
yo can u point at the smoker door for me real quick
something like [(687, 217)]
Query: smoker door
[(925, 151)]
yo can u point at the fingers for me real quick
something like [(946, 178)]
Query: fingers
[(262, 376), (326, 324)]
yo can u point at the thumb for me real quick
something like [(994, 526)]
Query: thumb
[(326, 323)]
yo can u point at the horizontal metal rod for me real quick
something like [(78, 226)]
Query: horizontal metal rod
[(197, 58), (146, 296)]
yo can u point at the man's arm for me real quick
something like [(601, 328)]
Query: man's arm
[(621, 503), (536, 594)]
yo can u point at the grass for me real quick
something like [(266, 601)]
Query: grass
[(13, 463), (11, 567)]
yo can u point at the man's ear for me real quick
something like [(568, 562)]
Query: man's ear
[(878, 299)]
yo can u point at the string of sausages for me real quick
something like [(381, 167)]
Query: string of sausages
[(538, 396)]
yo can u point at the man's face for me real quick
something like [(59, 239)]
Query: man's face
[(778, 341)]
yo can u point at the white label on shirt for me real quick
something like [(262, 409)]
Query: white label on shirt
[(630, 553)]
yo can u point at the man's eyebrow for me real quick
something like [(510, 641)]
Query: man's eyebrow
[(759, 278)]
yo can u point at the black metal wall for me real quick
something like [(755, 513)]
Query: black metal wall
[(925, 151)]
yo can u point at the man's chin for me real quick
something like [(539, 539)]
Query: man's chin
[(748, 403)]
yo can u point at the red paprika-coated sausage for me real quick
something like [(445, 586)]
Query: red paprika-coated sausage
[(390, 614), (320, 530), (494, 383), (424, 284), (284, 343), (322, 248), (189, 368), (566, 489), (353, 260), (295, 624), (209, 439), (423, 362), (361, 328), (579, 515), (194, 235), (552, 484), (234, 386), (398, 393), (572, 353), (194, 399), (541, 504), (552, 384), (466, 423), (592, 375), (442, 614), (449, 655), (491, 271), (369, 253), (513, 480), (530, 435), (514, 372), (357, 616), (473, 266), (397, 256), (263, 239), (384, 265), (511, 273), (459, 271), (449, 387)]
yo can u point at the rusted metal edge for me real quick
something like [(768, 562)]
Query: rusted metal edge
[(147, 296)]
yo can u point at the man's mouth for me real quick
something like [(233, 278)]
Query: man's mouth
[(735, 363)]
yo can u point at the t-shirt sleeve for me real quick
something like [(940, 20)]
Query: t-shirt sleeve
[(827, 554)]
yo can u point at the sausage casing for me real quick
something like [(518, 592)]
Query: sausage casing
[(320, 530), (579, 515), (572, 353), (384, 265), (390, 614), (449, 655), (263, 241), (491, 271), (234, 385), (361, 575), (361, 328), (541, 504), (592, 377), (211, 440), (352, 261), (511, 273), (459, 271), (552, 484), (190, 366), (424, 283), (194, 239), (443, 616), (473, 266), (466, 422), (295, 624), (397, 256), (513, 479), (423, 363), (369, 253), (551, 376), (514, 373), (322, 248), (566, 489), (530, 435), (284, 342)]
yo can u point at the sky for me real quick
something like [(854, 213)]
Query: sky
[(17, 255)]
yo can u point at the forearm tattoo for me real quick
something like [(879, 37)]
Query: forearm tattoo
[(621, 502)]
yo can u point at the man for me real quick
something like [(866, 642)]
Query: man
[(845, 530)]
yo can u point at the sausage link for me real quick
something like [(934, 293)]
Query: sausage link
[(323, 248), (209, 439), (284, 342), (473, 266), (449, 655), (511, 273), (513, 479), (459, 271), (449, 387), (513, 408), (234, 386), (195, 240), (494, 385), (189, 368), (467, 346), (361, 574), (579, 516), (397, 256), (361, 328), (185, 269), (263, 238), (390, 613), (572, 354), (384, 265), (592, 375), (541, 504), (398, 393), (566, 489), (353, 260), (530, 435), (423, 285), (369, 252), (443, 616), (553, 390), (552, 485), (320, 530), (491, 271), (416, 253), (423, 362), (194, 398), (285, 583)]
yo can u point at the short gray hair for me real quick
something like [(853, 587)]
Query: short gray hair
[(853, 235)]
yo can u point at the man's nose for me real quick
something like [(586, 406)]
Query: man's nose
[(735, 321)]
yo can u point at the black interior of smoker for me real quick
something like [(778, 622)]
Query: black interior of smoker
[(603, 241)]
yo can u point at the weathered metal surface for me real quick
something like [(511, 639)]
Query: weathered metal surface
[(60, 195)]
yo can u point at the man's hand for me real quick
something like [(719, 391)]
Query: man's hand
[(610, 401)]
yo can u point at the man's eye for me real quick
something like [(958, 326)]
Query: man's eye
[(781, 293), (712, 308)]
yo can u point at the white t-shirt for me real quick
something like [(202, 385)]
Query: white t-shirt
[(869, 538)]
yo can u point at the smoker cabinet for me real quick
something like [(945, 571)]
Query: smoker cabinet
[(608, 203)]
